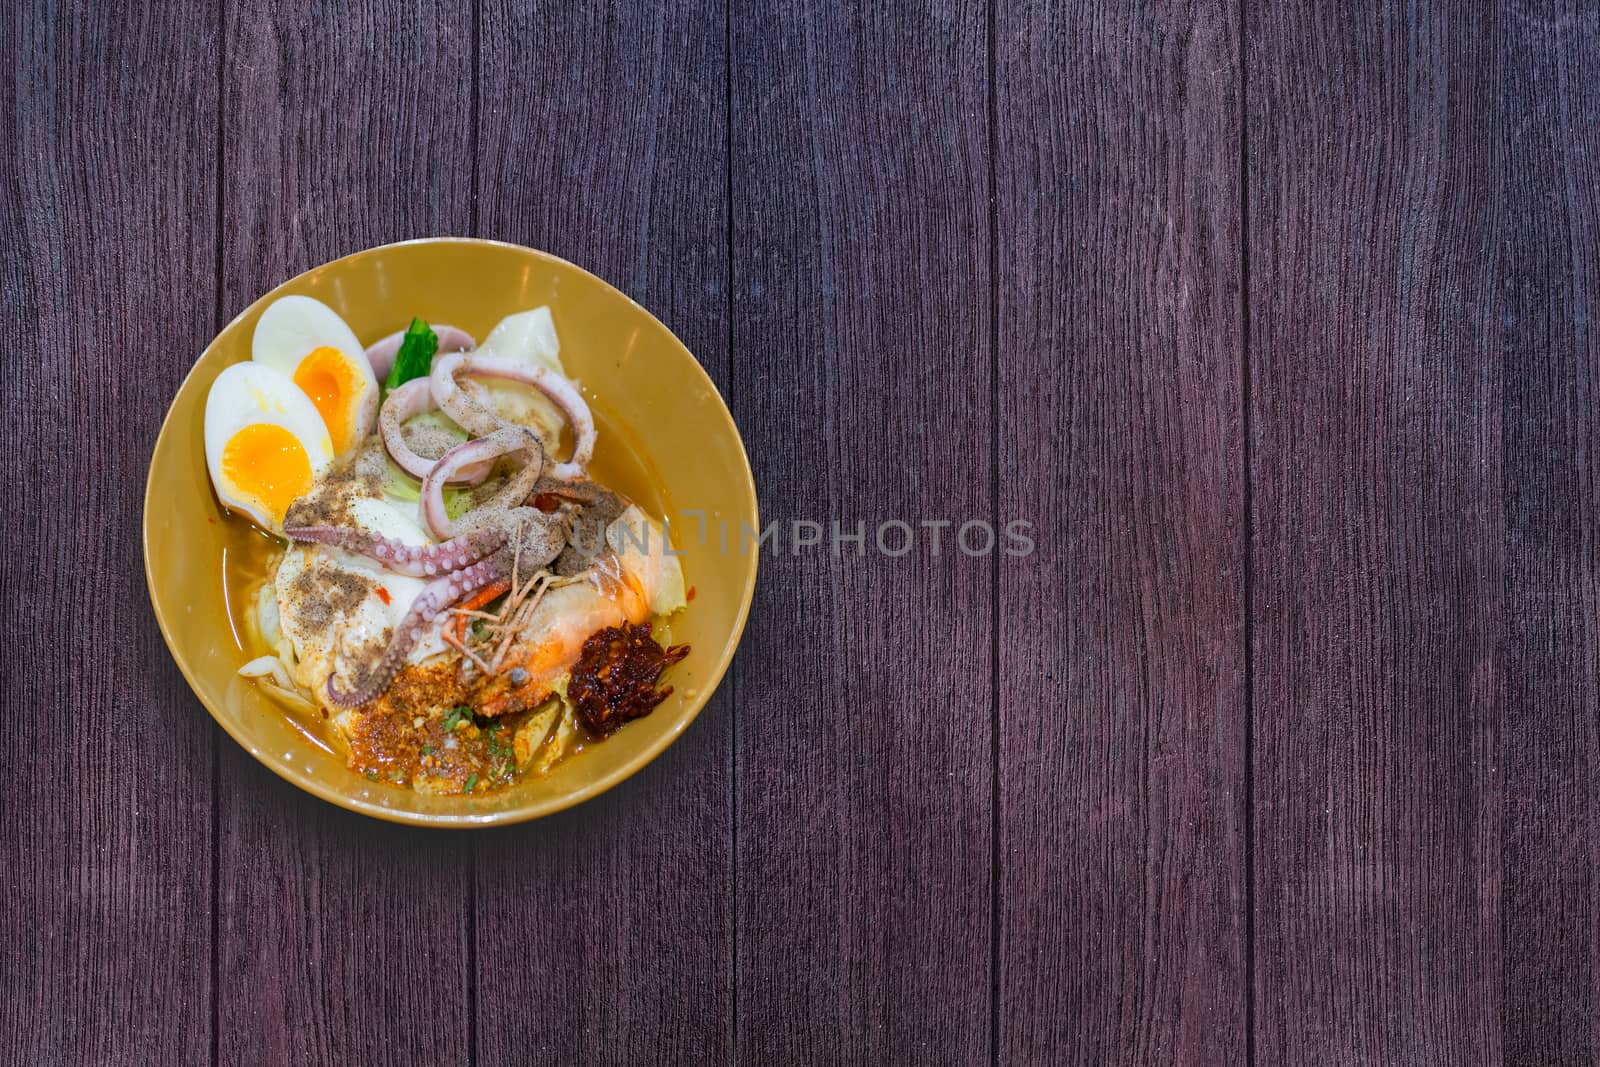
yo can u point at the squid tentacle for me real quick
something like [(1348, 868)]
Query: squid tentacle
[(511, 439), (414, 398), (418, 561), (476, 418), (469, 413), (437, 596)]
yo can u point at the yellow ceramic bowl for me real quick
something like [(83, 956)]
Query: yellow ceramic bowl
[(666, 439)]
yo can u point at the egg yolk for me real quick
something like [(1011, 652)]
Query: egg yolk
[(332, 384), (268, 464)]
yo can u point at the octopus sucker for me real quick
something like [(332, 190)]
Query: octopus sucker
[(400, 557)]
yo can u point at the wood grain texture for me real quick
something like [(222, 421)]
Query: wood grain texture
[(1378, 560), (109, 124), (861, 334), (606, 144), (1550, 268), (1122, 638), (1342, 431), (108, 283), (343, 940)]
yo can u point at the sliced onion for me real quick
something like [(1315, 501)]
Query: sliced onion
[(271, 675)]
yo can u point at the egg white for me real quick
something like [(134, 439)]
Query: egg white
[(319, 651), (248, 394), (292, 327)]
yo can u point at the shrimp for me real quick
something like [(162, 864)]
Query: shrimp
[(618, 587)]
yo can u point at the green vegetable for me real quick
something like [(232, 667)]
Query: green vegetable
[(499, 749), (439, 422), (400, 486), (456, 717), (472, 780), (415, 358), (457, 502)]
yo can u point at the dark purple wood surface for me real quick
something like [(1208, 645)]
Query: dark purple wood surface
[(1377, 549), (1122, 683), (1549, 337), (108, 279), (1275, 319), (861, 343)]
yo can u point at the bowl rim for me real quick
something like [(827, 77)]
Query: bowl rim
[(540, 809)]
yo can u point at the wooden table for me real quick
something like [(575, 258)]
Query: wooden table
[(1278, 322)]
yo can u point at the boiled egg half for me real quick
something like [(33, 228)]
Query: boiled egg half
[(308, 341), (265, 442)]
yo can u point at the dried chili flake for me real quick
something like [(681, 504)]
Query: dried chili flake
[(615, 678)]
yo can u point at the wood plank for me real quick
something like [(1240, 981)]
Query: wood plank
[(862, 383), (1378, 559), (1122, 664), (615, 157), (110, 132), (342, 939), (1550, 265)]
